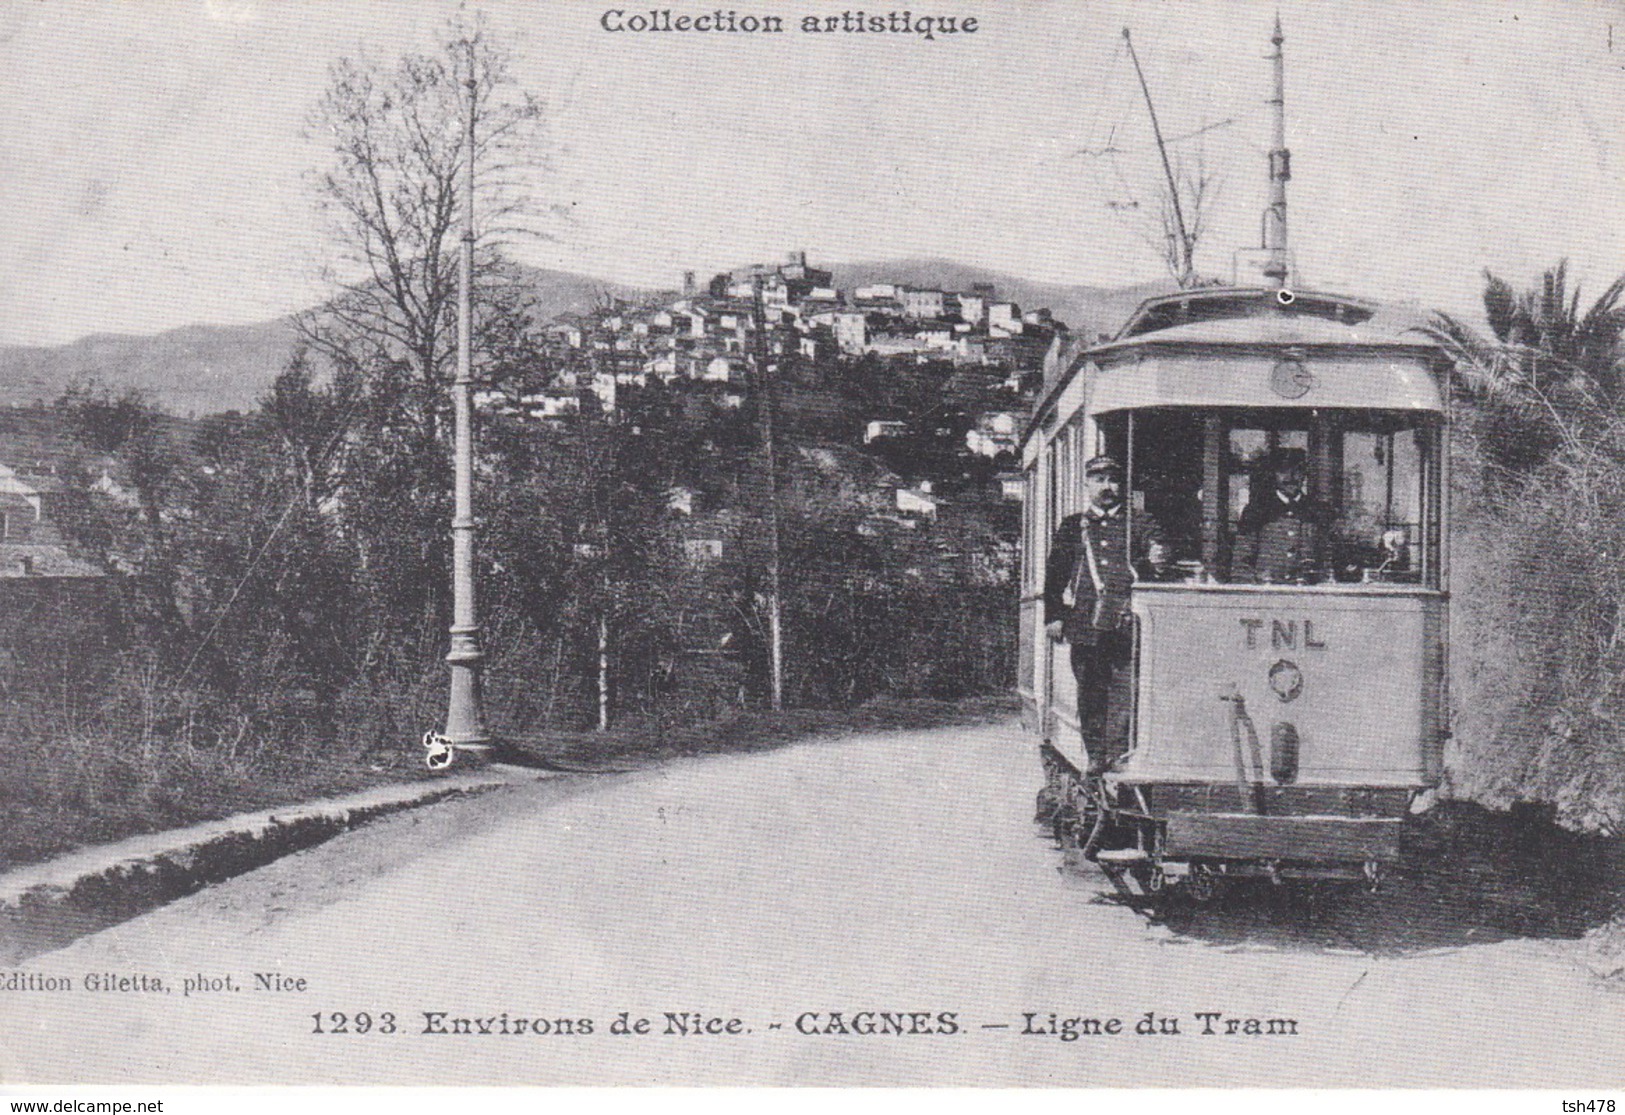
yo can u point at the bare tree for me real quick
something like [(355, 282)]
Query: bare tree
[(1184, 207), (389, 198), (1173, 231)]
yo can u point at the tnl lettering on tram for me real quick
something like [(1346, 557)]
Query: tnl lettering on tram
[(1284, 633)]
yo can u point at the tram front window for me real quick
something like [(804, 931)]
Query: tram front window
[(1289, 496)]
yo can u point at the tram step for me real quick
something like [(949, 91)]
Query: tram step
[(1304, 839), (1122, 857)]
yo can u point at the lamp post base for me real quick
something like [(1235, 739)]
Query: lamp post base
[(466, 737), (440, 753)]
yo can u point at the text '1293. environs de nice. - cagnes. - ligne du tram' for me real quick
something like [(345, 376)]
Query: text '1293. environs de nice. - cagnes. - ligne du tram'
[(1283, 705)]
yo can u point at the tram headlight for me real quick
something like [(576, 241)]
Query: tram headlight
[(1284, 749)]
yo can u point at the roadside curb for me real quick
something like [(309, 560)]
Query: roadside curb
[(44, 906)]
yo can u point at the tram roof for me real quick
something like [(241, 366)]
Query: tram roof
[(1236, 322), (1255, 315)]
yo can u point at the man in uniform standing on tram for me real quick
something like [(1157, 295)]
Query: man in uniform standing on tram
[(1087, 581)]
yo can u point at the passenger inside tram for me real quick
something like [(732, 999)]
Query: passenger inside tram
[(1287, 496), (1281, 534)]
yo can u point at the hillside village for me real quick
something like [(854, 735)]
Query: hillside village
[(836, 358), (898, 405), (705, 336)]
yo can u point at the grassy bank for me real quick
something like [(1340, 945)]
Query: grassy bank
[(64, 794)]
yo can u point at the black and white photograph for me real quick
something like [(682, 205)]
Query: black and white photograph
[(987, 545)]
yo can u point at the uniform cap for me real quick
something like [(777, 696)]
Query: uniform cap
[(1287, 457), (1102, 463)]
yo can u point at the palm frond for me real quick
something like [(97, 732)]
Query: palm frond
[(1500, 305)]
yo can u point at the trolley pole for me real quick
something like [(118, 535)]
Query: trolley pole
[(465, 713), (1185, 245), (1276, 267)]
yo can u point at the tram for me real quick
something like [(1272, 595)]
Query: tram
[(1277, 726)]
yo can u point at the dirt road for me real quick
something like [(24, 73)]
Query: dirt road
[(881, 884)]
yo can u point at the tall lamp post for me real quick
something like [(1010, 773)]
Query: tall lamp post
[(465, 714)]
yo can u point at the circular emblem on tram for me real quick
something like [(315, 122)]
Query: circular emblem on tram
[(1286, 680), (1291, 378)]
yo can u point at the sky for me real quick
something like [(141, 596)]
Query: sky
[(156, 169)]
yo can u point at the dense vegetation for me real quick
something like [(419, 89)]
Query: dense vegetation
[(1539, 614), (282, 595)]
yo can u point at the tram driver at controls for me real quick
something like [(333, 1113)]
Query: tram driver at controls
[(1087, 581), (1281, 538)]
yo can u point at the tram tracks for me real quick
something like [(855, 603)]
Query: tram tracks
[(1252, 912)]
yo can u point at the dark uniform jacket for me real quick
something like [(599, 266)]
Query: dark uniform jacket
[(1066, 572), (1281, 540)]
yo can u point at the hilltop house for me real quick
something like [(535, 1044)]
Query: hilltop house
[(883, 428), (924, 303), (31, 544), (993, 433), (918, 500), (1004, 319)]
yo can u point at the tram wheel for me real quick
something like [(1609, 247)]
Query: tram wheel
[(1045, 807), (1064, 827)]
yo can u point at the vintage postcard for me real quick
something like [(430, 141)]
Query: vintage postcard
[(1017, 544)]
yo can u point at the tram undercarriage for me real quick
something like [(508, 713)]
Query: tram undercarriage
[(1190, 840)]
